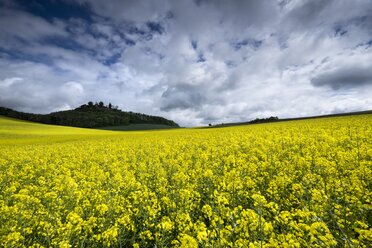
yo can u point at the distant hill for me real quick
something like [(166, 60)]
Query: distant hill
[(90, 116)]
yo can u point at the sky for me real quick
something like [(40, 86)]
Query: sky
[(195, 62)]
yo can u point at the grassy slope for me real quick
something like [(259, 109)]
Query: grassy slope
[(15, 131), (133, 127)]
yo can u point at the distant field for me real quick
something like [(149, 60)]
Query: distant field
[(304, 183), (132, 127), (259, 121)]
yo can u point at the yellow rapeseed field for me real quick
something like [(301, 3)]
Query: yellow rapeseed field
[(289, 184)]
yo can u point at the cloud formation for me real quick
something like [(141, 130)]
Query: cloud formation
[(195, 62)]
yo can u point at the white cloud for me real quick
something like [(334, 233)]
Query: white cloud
[(7, 82)]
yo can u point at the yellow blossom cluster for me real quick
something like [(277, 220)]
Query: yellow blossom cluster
[(288, 184)]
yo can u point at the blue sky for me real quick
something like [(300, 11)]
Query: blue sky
[(196, 62)]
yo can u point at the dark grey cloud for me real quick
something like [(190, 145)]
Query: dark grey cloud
[(344, 77), (192, 61), (182, 96), (307, 13)]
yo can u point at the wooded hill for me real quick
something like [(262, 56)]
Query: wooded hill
[(90, 116)]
